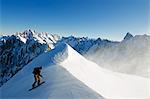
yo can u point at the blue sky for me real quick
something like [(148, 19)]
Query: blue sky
[(93, 18)]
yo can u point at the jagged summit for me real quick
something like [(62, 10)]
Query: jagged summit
[(42, 38), (128, 36)]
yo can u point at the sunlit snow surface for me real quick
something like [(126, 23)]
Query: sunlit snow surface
[(59, 83), (69, 75), (131, 56)]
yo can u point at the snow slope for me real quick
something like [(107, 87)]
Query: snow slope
[(60, 84), (63, 84), (130, 56), (19, 49), (108, 84)]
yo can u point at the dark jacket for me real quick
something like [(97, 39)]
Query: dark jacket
[(37, 71)]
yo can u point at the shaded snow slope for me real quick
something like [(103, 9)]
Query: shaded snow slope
[(18, 50), (60, 84)]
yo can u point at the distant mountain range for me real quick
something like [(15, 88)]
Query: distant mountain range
[(18, 50), (131, 55)]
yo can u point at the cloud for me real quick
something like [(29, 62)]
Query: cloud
[(129, 56)]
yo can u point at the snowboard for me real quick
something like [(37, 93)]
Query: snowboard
[(37, 86)]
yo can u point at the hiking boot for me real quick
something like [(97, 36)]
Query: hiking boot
[(38, 83)]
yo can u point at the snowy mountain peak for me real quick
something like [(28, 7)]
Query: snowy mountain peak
[(18, 50), (43, 38), (128, 36), (26, 34)]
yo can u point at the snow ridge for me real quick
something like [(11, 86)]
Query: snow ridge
[(104, 82), (18, 50), (59, 83)]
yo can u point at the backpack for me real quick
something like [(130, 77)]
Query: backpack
[(35, 71)]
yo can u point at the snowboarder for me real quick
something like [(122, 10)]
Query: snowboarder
[(37, 75)]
